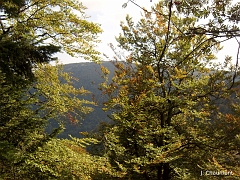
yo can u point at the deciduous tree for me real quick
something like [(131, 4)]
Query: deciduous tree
[(25, 113), (165, 101), (31, 31), (32, 91)]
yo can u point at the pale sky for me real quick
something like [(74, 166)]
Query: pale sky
[(109, 13)]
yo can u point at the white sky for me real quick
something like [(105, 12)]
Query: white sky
[(109, 13)]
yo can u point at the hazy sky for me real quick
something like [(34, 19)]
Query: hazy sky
[(109, 13)]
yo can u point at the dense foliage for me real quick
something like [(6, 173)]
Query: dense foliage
[(34, 30), (166, 98), (34, 92)]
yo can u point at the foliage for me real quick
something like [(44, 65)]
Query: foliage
[(64, 159), (56, 96), (63, 23), (26, 112), (18, 65), (21, 128), (216, 19), (89, 76), (34, 92), (165, 101), (35, 30), (11, 8), (220, 17)]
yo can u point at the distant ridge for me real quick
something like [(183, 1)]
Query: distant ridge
[(89, 77)]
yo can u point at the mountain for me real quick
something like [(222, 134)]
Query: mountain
[(89, 76)]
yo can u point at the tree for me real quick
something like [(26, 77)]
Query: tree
[(221, 17), (215, 18), (25, 114), (57, 97), (37, 29), (30, 33), (11, 8), (165, 100)]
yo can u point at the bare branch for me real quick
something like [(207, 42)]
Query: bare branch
[(236, 65)]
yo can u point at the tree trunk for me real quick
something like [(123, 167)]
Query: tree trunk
[(166, 172), (163, 172)]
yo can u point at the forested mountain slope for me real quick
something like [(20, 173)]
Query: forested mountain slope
[(88, 75)]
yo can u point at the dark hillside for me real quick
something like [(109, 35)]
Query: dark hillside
[(89, 76)]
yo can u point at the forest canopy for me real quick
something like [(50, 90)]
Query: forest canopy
[(173, 108)]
